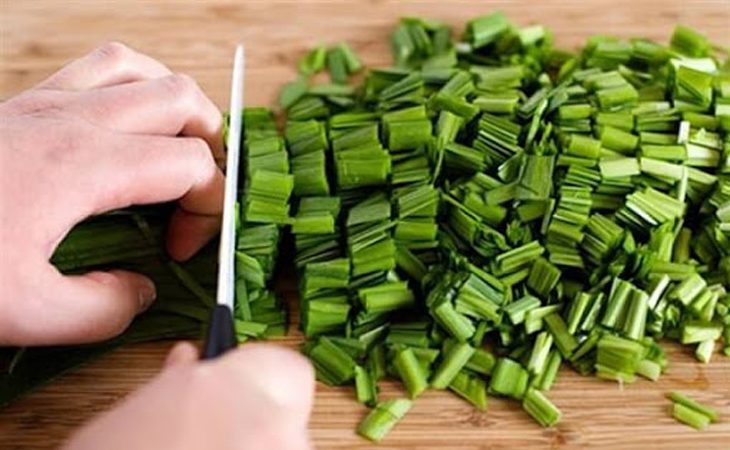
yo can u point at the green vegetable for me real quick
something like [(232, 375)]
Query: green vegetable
[(486, 191), (383, 418), (540, 408), (681, 399)]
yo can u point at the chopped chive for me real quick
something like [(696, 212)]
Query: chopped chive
[(383, 418), (509, 378), (410, 372), (454, 360), (564, 341), (690, 416), (679, 398), (541, 408), (473, 389), (694, 332)]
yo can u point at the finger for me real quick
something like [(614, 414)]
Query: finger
[(151, 169), (182, 354), (170, 105), (110, 64), (282, 375), (189, 232), (83, 308)]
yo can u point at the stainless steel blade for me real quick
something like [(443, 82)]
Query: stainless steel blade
[(226, 268)]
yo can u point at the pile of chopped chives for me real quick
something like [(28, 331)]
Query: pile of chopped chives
[(488, 209)]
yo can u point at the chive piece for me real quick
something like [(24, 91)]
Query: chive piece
[(472, 389), (541, 408), (704, 350), (386, 297), (454, 360), (678, 397), (365, 387), (509, 378), (292, 92), (410, 372), (649, 369), (352, 61), (518, 309), (383, 418), (337, 364), (690, 416), (545, 381), (540, 353), (337, 65), (689, 42), (486, 29), (314, 61), (481, 361), (565, 342)]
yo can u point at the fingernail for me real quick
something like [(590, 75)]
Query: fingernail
[(147, 294)]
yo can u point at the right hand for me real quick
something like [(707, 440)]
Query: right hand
[(257, 397)]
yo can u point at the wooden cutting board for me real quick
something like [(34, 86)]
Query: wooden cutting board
[(197, 37)]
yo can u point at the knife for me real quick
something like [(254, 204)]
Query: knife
[(221, 335)]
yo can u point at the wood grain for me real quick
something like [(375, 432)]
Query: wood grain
[(197, 37)]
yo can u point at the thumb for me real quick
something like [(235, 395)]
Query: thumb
[(83, 308)]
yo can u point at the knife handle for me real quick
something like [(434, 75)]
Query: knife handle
[(221, 333)]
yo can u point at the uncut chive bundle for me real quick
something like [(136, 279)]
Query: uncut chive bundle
[(555, 207)]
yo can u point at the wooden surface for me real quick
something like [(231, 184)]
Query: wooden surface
[(196, 37)]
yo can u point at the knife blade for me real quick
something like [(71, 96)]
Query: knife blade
[(221, 335)]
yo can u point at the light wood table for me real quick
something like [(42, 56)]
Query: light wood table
[(197, 37)]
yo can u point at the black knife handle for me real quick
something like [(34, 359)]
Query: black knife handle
[(221, 333)]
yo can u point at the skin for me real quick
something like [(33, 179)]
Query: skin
[(112, 129)]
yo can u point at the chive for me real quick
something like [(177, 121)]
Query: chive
[(314, 61), (617, 358), (578, 309), (541, 408), (704, 350), (337, 65), (456, 324), (383, 418), (564, 341), (509, 378), (582, 146), (481, 361), (518, 309), (679, 398), (365, 388), (636, 315), (546, 379), (292, 92), (689, 288), (619, 168), (486, 29), (690, 416), (543, 277), (352, 62), (334, 362), (410, 372), (694, 332), (540, 353), (472, 389), (454, 360), (409, 134)]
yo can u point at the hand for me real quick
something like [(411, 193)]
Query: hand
[(109, 130), (255, 398)]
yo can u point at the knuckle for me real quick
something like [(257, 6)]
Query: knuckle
[(114, 52), (201, 156), (182, 86)]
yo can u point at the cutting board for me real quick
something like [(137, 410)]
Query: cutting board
[(197, 37)]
